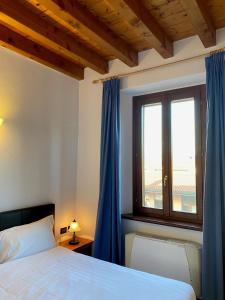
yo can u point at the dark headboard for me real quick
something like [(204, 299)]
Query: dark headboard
[(23, 216)]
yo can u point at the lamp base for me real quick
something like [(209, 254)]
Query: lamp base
[(72, 242)]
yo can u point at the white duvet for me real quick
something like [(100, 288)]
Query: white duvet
[(62, 274)]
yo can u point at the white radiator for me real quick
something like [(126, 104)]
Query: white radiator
[(176, 259)]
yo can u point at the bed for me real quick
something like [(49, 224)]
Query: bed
[(59, 273)]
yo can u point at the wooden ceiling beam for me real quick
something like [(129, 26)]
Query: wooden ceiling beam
[(72, 14), (25, 22), (201, 20), (161, 41), (12, 40)]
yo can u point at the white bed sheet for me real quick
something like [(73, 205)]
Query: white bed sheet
[(62, 274)]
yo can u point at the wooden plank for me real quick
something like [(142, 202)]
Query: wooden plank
[(12, 40), (72, 14), (25, 22), (123, 19), (160, 42), (201, 20)]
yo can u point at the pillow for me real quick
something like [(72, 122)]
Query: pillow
[(25, 240)]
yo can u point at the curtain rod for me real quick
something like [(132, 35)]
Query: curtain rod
[(157, 66)]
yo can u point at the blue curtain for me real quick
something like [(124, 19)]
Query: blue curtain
[(108, 236), (213, 274)]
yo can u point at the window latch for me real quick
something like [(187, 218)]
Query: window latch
[(165, 180)]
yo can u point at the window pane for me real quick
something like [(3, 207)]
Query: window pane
[(152, 156), (183, 155)]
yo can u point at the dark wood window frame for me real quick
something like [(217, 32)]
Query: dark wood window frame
[(166, 215)]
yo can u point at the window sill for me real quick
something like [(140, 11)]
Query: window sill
[(179, 224)]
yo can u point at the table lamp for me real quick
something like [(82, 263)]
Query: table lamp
[(74, 227)]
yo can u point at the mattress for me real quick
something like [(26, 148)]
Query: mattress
[(62, 274)]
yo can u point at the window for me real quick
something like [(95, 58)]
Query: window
[(168, 155)]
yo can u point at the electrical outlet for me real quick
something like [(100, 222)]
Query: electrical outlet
[(63, 230)]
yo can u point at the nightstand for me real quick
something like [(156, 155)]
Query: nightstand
[(84, 246)]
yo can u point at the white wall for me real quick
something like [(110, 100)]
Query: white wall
[(38, 141), (173, 76)]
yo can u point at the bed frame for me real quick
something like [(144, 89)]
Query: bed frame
[(23, 216)]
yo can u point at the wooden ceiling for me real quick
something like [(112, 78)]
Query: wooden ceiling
[(69, 35)]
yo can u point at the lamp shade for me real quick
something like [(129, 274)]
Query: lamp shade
[(74, 226), (1, 121)]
